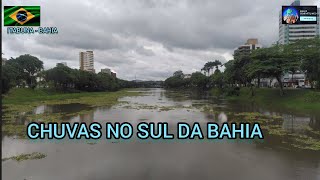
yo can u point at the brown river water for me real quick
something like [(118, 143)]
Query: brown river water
[(157, 160)]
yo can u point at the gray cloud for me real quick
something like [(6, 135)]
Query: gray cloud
[(147, 38)]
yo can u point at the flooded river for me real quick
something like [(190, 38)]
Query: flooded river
[(142, 160)]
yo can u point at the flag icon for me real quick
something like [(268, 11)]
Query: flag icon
[(21, 16)]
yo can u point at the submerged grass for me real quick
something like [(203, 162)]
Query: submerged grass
[(137, 106), (19, 103), (272, 127), (23, 157)]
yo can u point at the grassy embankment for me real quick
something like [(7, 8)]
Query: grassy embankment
[(24, 100), (305, 100)]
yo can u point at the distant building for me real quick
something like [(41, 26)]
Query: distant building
[(62, 64), (86, 61), (297, 79), (291, 32), (186, 76), (247, 48), (106, 70), (4, 60), (113, 74)]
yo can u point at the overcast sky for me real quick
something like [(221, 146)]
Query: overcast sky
[(149, 39)]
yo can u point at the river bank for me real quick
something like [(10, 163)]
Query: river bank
[(21, 100), (302, 100)]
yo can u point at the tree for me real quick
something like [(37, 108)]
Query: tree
[(210, 65), (206, 69), (178, 74), (27, 67), (217, 79), (216, 64), (307, 52), (198, 80), (176, 81), (107, 82), (62, 77), (9, 77), (272, 62), (241, 64), (229, 74)]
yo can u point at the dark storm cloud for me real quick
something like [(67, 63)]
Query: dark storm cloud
[(148, 38)]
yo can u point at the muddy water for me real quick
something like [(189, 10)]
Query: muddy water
[(107, 159)]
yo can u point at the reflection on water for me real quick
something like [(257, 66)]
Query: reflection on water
[(62, 108), (81, 161)]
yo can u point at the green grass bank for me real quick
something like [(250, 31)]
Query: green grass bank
[(24, 100), (305, 100)]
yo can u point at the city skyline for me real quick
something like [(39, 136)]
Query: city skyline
[(137, 36)]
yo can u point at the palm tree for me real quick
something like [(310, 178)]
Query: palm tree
[(210, 65), (206, 68), (217, 63)]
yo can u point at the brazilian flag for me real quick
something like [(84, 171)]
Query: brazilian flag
[(21, 16)]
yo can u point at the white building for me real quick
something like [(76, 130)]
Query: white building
[(86, 61), (61, 63), (291, 32), (186, 76), (295, 80), (247, 48), (4, 60), (106, 70)]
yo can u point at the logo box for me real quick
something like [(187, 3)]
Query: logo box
[(299, 15), (21, 16)]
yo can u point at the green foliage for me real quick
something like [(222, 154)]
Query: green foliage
[(64, 78), (312, 97), (20, 71), (210, 65), (241, 64), (24, 70), (9, 77), (198, 80), (176, 81), (229, 73), (178, 74), (295, 99), (307, 52), (232, 91), (23, 157), (26, 67), (216, 79), (22, 100)]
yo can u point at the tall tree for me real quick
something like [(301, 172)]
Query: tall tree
[(272, 62), (206, 69), (178, 74), (28, 66), (307, 53), (198, 80), (230, 73), (216, 64)]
